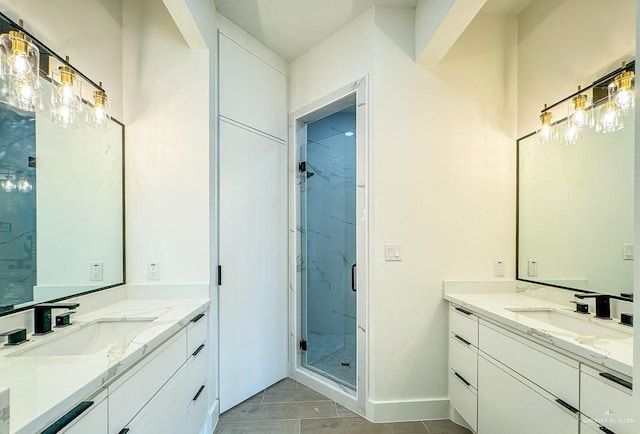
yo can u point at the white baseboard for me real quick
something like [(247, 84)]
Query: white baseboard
[(178, 290), (400, 411), (212, 418)]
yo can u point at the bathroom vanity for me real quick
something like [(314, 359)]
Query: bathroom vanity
[(135, 366), (526, 365)]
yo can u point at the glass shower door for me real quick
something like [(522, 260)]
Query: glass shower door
[(328, 227)]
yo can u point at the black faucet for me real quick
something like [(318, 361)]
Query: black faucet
[(15, 337), (42, 316), (603, 302)]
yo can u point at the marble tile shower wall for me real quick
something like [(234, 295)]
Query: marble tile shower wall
[(330, 223)]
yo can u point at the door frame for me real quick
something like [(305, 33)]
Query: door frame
[(355, 91)]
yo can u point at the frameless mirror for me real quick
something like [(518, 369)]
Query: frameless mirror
[(61, 203), (575, 210)]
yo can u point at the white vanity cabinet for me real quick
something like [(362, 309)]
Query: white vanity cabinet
[(93, 420), (158, 395), (162, 393), (605, 402), (463, 364)]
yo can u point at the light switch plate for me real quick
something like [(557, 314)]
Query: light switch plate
[(392, 252), (628, 252)]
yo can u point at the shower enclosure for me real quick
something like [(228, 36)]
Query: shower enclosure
[(327, 261)]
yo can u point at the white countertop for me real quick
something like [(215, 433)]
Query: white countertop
[(42, 388), (616, 354)]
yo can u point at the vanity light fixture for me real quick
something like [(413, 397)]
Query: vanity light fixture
[(9, 185), (578, 112), (21, 62), (24, 186), (546, 129), (66, 96), (622, 88), (98, 113), (349, 134)]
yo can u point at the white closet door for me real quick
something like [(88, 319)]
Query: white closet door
[(253, 256)]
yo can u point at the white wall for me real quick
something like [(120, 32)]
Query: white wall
[(167, 117), (88, 31), (563, 44), (442, 185)]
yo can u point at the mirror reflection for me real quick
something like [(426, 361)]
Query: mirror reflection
[(61, 187), (575, 209)]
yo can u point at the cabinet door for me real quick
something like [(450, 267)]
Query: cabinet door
[(507, 406), (166, 413), (93, 421)]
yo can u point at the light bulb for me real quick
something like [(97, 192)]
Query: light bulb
[(546, 130), (21, 65), (572, 134), (578, 114), (623, 91), (349, 133), (8, 185), (66, 94), (98, 113), (624, 99), (608, 118), (24, 186)]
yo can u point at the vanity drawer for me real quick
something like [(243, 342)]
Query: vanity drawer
[(463, 359), (606, 402), (197, 411), (551, 371), (196, 332), (464, 399), (126, 399), (463, 324), (197, 371)]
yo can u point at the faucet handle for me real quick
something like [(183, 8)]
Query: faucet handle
[(626, 319), (64, 319), (580, 307), (15, 337)]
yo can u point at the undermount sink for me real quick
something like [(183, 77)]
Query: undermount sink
[(580, 324), (87, 339)]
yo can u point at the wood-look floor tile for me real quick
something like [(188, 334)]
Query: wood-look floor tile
[(445, 426), (280, 411), (358, 425), (259, 427), (255, 399), (286, 384), (345, 412), (301, 394)]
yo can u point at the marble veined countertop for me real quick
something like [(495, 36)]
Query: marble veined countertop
[(42, 388), (616, 353)]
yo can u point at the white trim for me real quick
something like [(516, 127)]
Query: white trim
[(213, 417), (357, 402), (396, 411)]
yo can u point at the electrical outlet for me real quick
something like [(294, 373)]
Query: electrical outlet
[(95, 271), (498, 268), (532, 270), (153, 270)]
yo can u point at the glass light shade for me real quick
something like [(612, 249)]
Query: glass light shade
[(65, 97), (19, 73), (608, 118), (98, 113), (579, 114), (546, 130), (572, 133), (9, 185), (622, 91), (24, 186)]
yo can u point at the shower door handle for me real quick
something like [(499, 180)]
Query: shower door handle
[(353, 278)]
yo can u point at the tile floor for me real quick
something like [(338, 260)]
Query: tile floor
[(291, 408)]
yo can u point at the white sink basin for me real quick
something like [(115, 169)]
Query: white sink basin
[(580, 324), (87, 339)]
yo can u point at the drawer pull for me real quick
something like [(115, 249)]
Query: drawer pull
[(466, 312), (620, 381), (461, 378), (65, 420), (195, 398), (606, 430), (463, 340), (195, 353), (569, 407), (124, 431), (197, 318)]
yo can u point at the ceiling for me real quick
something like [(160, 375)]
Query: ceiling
[(292, 27)]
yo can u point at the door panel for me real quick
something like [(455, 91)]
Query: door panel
[(253, 256)]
